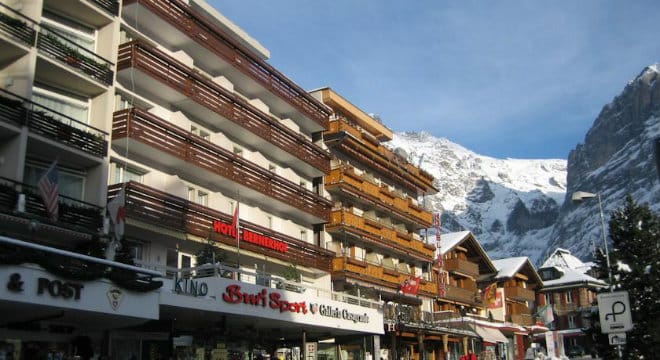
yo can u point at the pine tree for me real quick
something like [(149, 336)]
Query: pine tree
[(635, 260)]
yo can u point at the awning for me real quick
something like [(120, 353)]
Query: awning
[(490, 335)]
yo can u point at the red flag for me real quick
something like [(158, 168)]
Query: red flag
[(235, 223), (411, 285), (117, 211), (49, 189)]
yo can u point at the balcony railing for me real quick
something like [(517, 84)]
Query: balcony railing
[(412, 318), (67, 52), (378, 274), (52, 124), (519, 293), (258, 278), (54, 45), (73, 214), (461, 266), (223, 45), (469, 296), (522, 319), (380, 235), (215, 98), (16, 25), (382, 158), (159, 134), (158, 208), (345, 176), (111, 6)]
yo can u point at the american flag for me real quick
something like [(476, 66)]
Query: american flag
[(49, 189)]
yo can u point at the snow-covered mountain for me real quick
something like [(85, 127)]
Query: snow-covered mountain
[(523, 207), (509, 204)]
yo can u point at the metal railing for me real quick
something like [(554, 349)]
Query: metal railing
[(55, 45), (17, 25), (73, 214), (52, 124), (257, 278)]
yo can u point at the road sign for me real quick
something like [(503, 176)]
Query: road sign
[(617, 338), (614, 312)]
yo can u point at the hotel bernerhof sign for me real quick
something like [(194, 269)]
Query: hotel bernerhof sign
[(231, 296)]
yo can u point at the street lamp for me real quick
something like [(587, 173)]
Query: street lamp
[(577, 197)]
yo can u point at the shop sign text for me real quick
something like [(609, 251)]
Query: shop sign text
[(249, 236), (57, 288), (234, 295), (335, 312), (190, 287)]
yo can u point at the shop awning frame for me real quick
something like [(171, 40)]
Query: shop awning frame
[(490, 334)]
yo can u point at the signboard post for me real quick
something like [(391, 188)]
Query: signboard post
[(614, 312), (617, 338)]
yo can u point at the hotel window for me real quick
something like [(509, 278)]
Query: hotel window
[(199, 132), (569, 297), (76, 33), (68, 105), (121, 173), (572, 323), (548, 298), (71, 183), (303, 235), (198, 196), (270, 221)]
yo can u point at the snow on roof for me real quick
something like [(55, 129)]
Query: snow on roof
[(507, 268), (570, 276), (562, 258), (450, 240)]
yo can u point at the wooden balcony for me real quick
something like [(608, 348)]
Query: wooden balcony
[(519, 293), (166, 78), (180, 26), (522, 319), (565, 308), (378, 235), (158, 208), (467, 296), (345, 178), (360, 145), (201, 160), (461, 266), (77, 220), (376, 274), (53, 125)]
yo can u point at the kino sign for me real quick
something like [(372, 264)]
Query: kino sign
[(614, 312)]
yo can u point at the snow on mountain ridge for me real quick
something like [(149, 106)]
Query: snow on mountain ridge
[(493, 198)]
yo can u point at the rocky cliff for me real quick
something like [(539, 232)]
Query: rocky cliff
[(616, 158)]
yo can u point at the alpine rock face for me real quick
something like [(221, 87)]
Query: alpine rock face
[(616, 158), (523, 207), (510, 205)]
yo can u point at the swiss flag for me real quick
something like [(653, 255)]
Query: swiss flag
[(411, 286)]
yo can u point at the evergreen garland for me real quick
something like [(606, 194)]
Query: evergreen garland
[(80, 270)]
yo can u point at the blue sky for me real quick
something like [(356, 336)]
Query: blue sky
[(507, 79)]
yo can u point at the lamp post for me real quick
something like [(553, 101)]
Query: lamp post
[(578, 196)]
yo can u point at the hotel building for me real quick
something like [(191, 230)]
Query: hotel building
[(172, 107)]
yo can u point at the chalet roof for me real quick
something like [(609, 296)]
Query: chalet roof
[(572, 276), (466, 239), (507, 269), (573, 271)]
